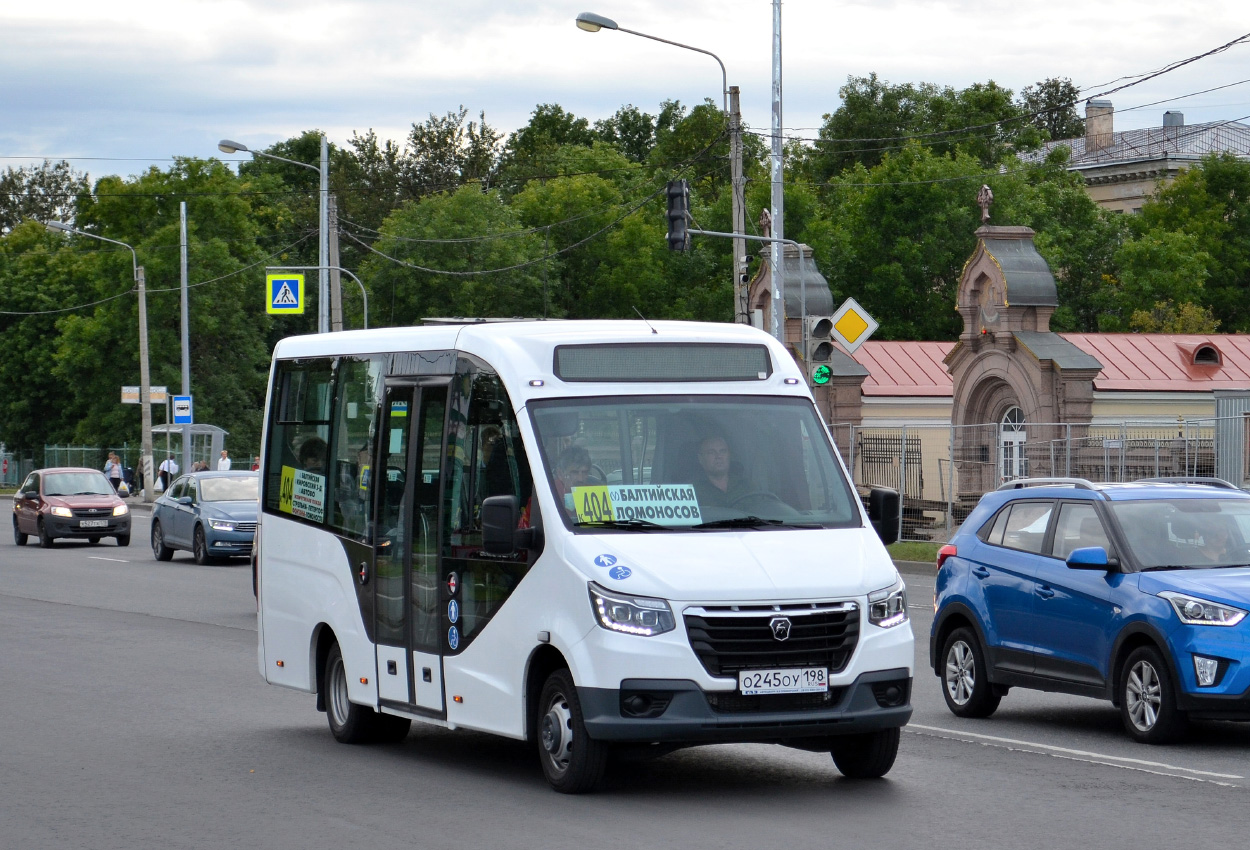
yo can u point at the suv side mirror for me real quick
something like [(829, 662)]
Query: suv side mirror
[(884, 510), (1091, 558)]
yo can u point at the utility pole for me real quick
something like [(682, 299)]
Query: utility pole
[(323, 249), (336, 280), (777, 273), (739, 266), (145, 387), (186, 347)]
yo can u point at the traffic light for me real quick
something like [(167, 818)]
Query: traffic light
[(678, 193), (819, 340)]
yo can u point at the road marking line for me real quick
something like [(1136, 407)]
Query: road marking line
[(1079, 755), (114, 560)]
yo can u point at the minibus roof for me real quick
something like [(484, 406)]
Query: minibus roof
[(523, 352)]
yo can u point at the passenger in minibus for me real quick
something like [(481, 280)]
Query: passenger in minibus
[(312, 455)]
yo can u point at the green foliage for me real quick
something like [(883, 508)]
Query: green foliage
[(47, 192), (1052, 103), (1166, 317)]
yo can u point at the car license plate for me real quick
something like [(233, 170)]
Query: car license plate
[(797, 680), (93, 523)]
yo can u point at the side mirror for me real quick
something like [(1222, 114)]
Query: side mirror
[(185, 500), (500, 535), (1091, 558), (884, 510)]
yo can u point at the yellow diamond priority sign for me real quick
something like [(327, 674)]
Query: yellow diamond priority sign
[(852, 326), (284, 293)]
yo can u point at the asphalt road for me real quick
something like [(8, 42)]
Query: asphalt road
[(132, 716)]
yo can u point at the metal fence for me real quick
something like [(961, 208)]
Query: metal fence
[(941, 471)]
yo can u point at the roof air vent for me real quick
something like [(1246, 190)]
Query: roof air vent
[(1206, 355), (1173, 119)]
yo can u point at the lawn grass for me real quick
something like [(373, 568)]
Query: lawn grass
[(912, 551)]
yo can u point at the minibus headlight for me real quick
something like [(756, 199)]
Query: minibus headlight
[(633, 615), (888, 607)]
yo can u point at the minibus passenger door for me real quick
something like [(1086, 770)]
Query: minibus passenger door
[(406, 560)]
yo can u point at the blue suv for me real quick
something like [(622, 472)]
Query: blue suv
[(1136, 593)]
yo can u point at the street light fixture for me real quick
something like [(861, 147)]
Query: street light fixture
[(323, 219), (590, 22), (145, 383)]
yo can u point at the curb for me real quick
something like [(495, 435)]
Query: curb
[(922, 568)]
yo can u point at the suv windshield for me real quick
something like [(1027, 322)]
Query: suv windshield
[(76, 484), (1186, 533), (242, 489), (653, 463)]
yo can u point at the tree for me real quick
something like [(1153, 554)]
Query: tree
[(1051, 105), (1166, 317), (629, 130), (529, 151), (48, 192), (468, 234)]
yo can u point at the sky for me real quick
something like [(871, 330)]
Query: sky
[(116, 87)]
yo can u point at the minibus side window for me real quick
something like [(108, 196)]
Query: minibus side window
[(486, 457), (298, 451), (355, 417)]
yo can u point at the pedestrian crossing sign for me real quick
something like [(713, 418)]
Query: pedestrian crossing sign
[(285, 293)]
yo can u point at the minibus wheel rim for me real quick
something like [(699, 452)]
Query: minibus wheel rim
[(338, 703), (557, 732)]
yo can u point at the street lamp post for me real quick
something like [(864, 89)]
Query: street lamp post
[(323, 245), (590, 22), (145, 383)]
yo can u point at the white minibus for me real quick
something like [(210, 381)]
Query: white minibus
[(585, 534)]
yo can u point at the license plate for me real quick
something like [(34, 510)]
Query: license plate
[(93, 523), (797, 680)]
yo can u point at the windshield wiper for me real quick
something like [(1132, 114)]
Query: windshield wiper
[(1166, 567), (624, 524), (751, 522)]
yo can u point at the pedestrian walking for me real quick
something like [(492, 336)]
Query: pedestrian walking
[(168, 471), (113, 470)]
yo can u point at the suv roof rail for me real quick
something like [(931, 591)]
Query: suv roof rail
[(1190, 479), (1021, 483)]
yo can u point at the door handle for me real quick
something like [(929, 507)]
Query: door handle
[(980, 572), (1045, 592)]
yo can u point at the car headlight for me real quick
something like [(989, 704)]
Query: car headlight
[(221, 525), (57, 510), (1196, 611), (121, 510), (633, 615), (888, 607)]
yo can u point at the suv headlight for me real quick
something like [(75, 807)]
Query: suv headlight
[(888, 607), (633, 615), (1196, 611), (221, 525), (58, 510)]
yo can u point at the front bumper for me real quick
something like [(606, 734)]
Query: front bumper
[(1229, 697), (229, 543), (684, 713), (71, 526)]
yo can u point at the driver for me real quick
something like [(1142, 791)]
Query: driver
[(717, 488)]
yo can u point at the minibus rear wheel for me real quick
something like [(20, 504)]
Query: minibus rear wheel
[(572, 761), (349, 723)]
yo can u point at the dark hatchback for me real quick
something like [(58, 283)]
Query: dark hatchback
[(211, 514), (1136, 593), (69, 502)]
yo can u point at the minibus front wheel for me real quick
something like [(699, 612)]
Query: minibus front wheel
[(572, 761)]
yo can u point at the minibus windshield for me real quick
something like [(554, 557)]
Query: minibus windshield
[(703, 462)]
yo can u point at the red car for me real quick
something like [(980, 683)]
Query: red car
[(69, 502)]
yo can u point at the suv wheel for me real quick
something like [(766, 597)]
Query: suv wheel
[(965, 680), (1148, 699)]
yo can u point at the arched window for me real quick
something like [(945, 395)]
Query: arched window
[(1207, 355), (1013, 462)]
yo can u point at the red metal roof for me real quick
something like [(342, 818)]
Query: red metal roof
[(1164, 362), (905, 368), (1131, 363)]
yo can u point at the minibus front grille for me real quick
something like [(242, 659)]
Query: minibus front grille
[(729, 639)]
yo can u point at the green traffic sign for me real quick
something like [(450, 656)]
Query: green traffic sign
[(821, 375)]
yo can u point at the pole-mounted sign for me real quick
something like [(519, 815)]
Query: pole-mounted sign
[(284, 293)]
